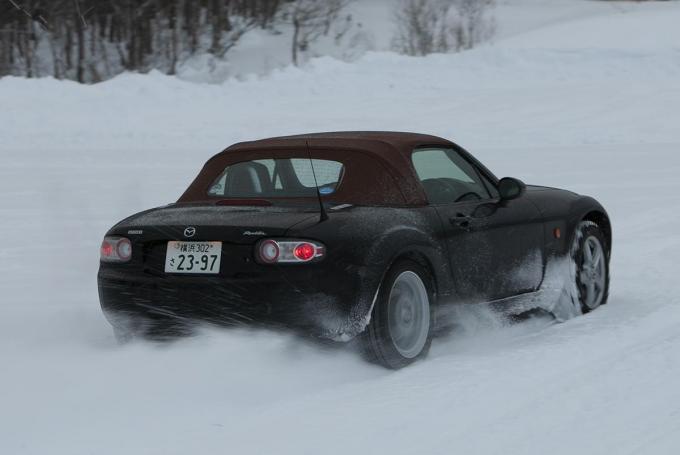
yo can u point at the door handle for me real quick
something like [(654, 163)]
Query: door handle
[(461, 221)]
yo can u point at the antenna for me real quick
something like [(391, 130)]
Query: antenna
[(323, 216)]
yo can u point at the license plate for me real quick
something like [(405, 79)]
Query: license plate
[(193, 257)]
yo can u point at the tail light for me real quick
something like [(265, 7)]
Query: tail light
[(272, 251), (115, 249)]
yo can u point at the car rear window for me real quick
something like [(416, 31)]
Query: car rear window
[(280, 178)]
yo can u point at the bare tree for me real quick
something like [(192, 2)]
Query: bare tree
[(474, 22), (427, 26), (310, 20), (417, 23)]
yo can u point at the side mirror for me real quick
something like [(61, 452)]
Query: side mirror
[(510, 188)]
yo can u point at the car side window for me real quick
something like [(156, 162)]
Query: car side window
[(447, 177)]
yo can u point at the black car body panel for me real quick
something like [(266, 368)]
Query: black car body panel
[(331, 298), (477, 251)]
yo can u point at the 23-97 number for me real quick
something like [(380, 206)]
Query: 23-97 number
[(188, 262)]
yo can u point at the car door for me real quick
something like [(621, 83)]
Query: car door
[(495, 247)]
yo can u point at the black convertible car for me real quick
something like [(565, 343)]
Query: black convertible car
[(364, 235)]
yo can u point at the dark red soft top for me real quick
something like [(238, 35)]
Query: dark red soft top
[(378, 169)]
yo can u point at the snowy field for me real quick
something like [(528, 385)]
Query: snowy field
[(588, 99)]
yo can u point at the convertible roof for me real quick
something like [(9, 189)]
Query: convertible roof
[(369, 182), (384, 143)]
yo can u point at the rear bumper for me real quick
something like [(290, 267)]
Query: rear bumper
[(317, 303)]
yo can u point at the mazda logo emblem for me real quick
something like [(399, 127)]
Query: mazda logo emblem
[(190, 232)]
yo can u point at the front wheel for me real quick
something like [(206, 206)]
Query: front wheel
[(590, 255), (400, 331)]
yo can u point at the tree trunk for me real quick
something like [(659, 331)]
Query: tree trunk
[(68, 49), (217, 14), (296, 36), (28, 48), (80, 37), (54, 39), (175, 34)]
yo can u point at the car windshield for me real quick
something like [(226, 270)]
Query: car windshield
[(278, 178)]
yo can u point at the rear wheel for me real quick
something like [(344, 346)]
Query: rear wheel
[(400, 331), (591, 261)]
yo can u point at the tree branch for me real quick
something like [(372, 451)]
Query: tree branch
[(36, 16), (79, 12)]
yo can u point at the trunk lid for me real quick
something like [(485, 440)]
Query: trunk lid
[(232, 224), (237, 227)]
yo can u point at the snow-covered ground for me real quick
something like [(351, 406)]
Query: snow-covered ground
[(589, 99)]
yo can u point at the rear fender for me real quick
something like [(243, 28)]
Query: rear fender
[(364, 243), (404, 242)]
